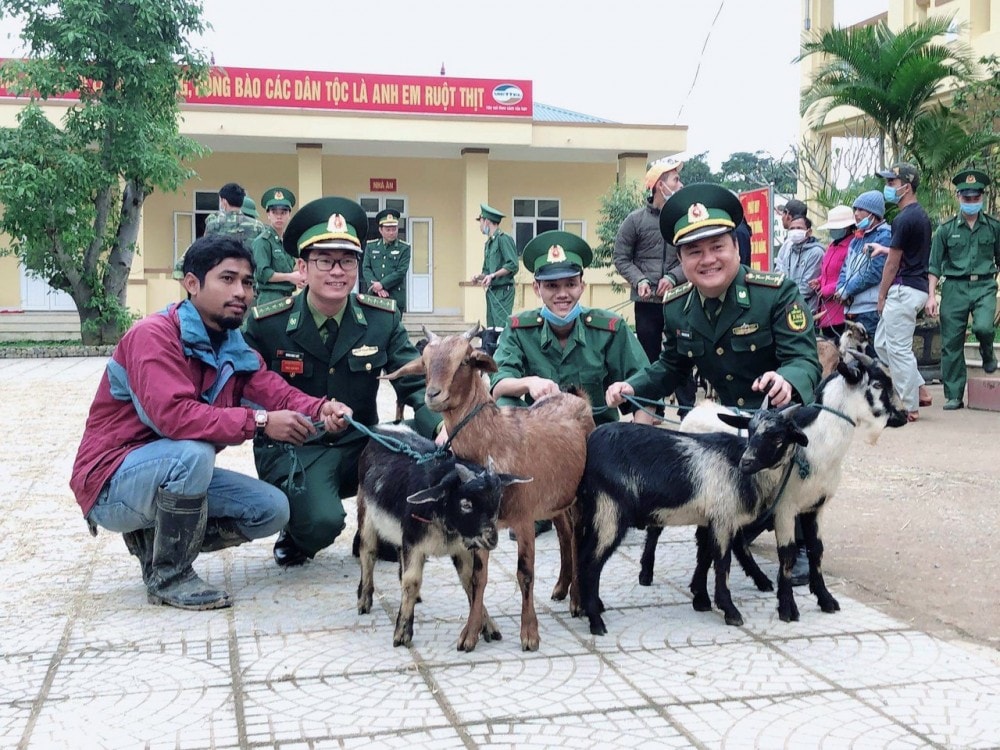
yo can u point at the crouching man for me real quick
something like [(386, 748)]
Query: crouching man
[(181, 385)]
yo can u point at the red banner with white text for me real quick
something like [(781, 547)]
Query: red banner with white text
[(757, 211)]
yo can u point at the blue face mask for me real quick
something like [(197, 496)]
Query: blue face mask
[(891, 194), (838, 234), (971, 209), (485, 229), (865, 223), (555, 320)]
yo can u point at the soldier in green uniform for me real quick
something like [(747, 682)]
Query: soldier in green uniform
[(499, 266), (230, 219), (387, 260), (966, 252), (750, 334), (277, 274), (562, 343), (333, 342)]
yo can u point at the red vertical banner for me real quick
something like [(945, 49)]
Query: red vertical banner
[(757, 206)]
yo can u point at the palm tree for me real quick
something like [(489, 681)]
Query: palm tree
[(892, 77)]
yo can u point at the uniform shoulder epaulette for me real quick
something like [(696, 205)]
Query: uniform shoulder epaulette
[(529, 319), (765, 278), (272, 308), (380, 303), (603, 320), (371, 242), (677, 292)]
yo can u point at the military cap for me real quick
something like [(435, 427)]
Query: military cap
[(556, 255), (249, 208), (332, 223), (277, 196), (903, 171), (490, 214), (971, 180), (698, 211), (660, 168), (388, 217)]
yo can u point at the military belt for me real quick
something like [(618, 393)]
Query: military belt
[(972, 276)]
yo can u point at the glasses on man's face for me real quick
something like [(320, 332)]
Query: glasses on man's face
[(323, 263)]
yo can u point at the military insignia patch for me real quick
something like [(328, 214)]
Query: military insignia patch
[(684, 334), (337, 223), (278, 195), (556, 254), (697, 212), (796, 318), (970, 178), (677, 291), (364, 351), (746, 329)]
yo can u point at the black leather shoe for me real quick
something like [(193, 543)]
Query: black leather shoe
[(287, 553), (800, 571)]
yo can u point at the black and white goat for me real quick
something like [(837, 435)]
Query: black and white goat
[(718, 481), (439, 507)]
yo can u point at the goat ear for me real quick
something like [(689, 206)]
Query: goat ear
[(413, 367), (798, 436), (739, 421), (428, 495), (482, 361)]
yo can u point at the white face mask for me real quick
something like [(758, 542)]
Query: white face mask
[(797, 236)]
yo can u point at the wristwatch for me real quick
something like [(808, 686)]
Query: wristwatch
[(260, 419)]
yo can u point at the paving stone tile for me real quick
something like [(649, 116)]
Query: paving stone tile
[(21, 678), (534, 685), (172, 716), (892, 658), (760, 616), (13, 722), (442, 738), (34, 636), (358, 705), (640, 728), (962, 713), (824, 721)]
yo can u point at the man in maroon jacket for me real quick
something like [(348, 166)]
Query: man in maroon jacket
[(180, 386)]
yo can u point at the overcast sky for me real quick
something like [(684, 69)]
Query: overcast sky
[(723, 68)]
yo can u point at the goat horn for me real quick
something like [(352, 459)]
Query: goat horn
[(861, 357), (430, 335), (472, 332), (766, 404)]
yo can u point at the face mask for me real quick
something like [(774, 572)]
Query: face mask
[(556, 320), (891, 194), (971, 209), (865, 223), (838, 234), (797, 236), (485, 228)]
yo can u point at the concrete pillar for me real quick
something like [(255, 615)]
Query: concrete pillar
[(818, 16), (632, 168), (476, 191), (310, 185)]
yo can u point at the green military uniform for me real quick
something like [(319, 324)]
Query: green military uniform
[(387, 263), (370, 339), (601, 350), (763, 325), (968, 259), (268, 252), (499, 252), (235, 224), (761, 322), (271, 258)]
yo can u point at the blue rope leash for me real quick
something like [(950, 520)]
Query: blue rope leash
[(637, 402)]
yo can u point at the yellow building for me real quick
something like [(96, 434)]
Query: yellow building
[(977, 24), (434, 148)]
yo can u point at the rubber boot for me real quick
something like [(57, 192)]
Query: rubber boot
[(177, 540), (221, 533), (140, 544)]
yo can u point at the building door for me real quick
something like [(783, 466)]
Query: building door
[(420, 277), (37, 295), (185, 232)]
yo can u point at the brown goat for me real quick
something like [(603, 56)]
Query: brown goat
[(546, 441)]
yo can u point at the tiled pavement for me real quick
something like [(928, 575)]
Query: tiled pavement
[(87, 663)]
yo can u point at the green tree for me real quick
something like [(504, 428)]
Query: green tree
[(72, 194), (892, 77), (616, 204), (979, 103), (746, 171), (697, 169)]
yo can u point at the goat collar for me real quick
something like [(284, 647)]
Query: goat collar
[(840, 414), (415, 517), (465, 420)]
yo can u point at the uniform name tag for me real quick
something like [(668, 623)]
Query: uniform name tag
[(394, 252), (684, 334), (291, 363), (364, 351), (745, 329)]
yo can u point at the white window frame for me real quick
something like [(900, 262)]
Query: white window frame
[(533, 221)]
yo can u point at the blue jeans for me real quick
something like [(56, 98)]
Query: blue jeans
[(187, 467)]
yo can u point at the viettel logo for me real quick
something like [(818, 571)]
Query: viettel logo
[(507, 93)]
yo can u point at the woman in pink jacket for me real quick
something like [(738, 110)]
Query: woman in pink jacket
[(840, 226)]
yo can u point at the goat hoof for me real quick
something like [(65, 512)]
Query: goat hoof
[(734, 618), (364, 609), (789, 615), (402, 639), (645, 578), (702, 603), (597, 627), (491, 633), (559, 593), (829, 605)]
